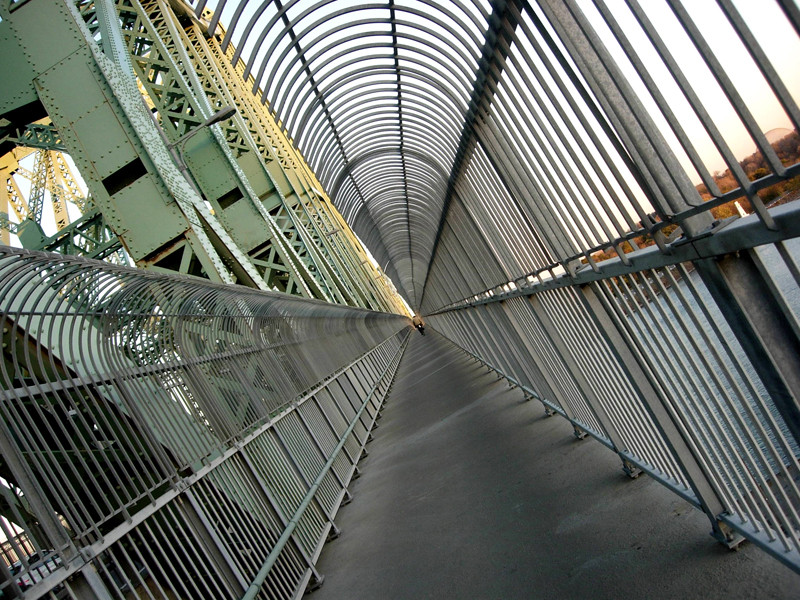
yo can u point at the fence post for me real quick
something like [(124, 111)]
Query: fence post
[(679, 441)]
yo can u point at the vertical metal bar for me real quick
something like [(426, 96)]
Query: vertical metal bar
[(689, 456), (540, 375), (224, 565), (353, 460), (263, 573), (748, 300), (611, 86), (299, 471), (34, 495), (592, 401), (318, 445), (254, 474)]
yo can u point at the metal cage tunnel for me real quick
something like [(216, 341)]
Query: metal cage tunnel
[(593, 198)]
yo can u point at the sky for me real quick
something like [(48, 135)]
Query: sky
[(773, 33)]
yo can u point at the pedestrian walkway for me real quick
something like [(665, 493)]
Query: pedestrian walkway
[(471, 492)]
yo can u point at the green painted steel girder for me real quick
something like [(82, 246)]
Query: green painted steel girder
[(128, 89)]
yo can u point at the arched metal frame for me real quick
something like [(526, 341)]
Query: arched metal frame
[(321, 64), (172, 435), (529, 173), (532, 172), (375, 96)]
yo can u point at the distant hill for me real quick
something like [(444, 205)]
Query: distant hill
[(786, 144)]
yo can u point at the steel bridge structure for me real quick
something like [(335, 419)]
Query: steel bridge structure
[(591, 198)]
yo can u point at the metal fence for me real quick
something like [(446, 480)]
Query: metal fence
[(560, 186), (592, 253), (166, 438)]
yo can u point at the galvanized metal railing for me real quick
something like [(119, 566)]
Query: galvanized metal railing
[(163, 437), (647, 365), (552, 181), (591, 250)]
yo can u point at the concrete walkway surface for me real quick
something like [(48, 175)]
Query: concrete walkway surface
[(471, 492)]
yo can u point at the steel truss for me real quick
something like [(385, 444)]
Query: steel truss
[(256, 217)]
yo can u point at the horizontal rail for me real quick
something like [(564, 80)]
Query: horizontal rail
[(255, 586), (136, 407), (724, 238), (553, 408)]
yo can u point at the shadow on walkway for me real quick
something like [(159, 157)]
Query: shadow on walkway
[(471, 492)]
